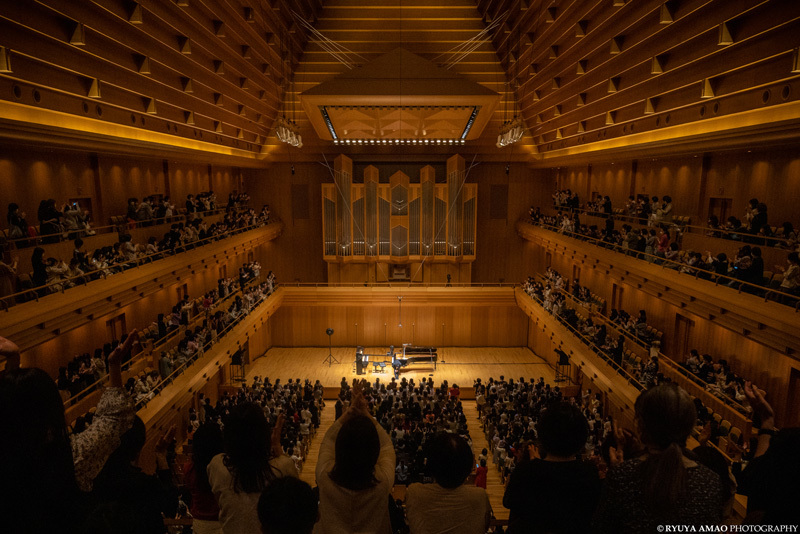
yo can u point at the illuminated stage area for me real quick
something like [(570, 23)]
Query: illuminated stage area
[(459, 365)]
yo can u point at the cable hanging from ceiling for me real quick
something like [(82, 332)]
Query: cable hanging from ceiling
[(286, 130), (512, 130), (340, 53), (459, 52)]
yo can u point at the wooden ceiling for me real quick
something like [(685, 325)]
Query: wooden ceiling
[(592, 78)]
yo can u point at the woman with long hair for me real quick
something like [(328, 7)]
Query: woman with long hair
[(355, 472), (664, 484), (45, 471), (253, 457)]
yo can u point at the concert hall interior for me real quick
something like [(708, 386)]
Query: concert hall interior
[(599, 194)]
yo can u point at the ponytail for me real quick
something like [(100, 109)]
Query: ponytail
[(665, 478), (666, 416)]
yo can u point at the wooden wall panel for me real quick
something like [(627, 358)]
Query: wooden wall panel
[(610, 179), (186, 179), (442, 323), (501, 256), (124, 178), (678, 178), (296, 254), (28, 176)]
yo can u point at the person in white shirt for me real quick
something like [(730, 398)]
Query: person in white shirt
[(448, 505), (355, 473), (251, 460)]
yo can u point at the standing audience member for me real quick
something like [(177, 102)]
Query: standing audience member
[(555, 491), (45, 472), (770, 478), (125, 498), (448, 505), (250, 461), (662, 485), (288, 506), (355, 473), (481, 473)]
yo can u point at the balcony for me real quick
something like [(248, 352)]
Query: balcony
[(749, 315), (34, 322)]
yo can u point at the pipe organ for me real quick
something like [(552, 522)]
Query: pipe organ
[(397, 221)]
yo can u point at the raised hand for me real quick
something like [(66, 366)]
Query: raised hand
[(123, 351), (756, 399)]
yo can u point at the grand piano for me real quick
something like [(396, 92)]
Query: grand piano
[(412, 355)]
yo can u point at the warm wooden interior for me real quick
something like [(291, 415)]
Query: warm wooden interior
[(695, 99)]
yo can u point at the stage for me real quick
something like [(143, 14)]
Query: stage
[(459, 365)]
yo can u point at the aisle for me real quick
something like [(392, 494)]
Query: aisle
[(310, 465), (494, 487)]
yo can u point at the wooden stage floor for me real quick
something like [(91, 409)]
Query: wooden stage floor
[(462, 365)]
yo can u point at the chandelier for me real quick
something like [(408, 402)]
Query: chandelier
[(510, 132), (287, 132)]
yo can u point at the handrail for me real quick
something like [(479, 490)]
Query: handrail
[(159, 387), (704, 230), (662, 262), (662, 357), (114, 227), (85, 278), (589, 343), (162, 343)]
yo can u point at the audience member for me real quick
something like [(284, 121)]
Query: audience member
[(45, 471), (663, 484), (770, 478), (288, 506), (355, 472), (251, 460), (448, 505), (206, 444), (126, 499), (555, 491)]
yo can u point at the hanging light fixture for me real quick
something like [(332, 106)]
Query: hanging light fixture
[(510, 132)]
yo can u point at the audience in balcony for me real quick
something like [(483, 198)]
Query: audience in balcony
[(744, 272), (718, 376), (659, 212), (17, 224), (58, 275)]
